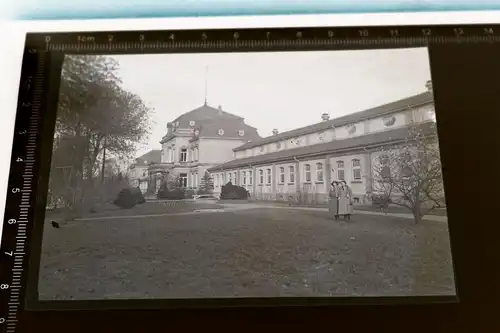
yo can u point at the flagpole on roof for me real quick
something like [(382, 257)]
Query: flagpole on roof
[(206, 84)]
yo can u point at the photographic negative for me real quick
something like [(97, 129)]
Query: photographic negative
[(246, 175)]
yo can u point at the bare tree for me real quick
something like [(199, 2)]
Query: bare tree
[(410, 174)]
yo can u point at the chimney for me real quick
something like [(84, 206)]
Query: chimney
[(325, 116), (428, 85), (275, 131)]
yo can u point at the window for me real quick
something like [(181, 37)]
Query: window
[(261, 176), (356, 169), (183, 155), (307, 172), (196, 179), (269, 176), (244, 180), (385, 171), (340, 170), (250, 179), (230, 178), (406, 160), (184, 179), (282, 175), (223, 179), (291, 174), (319, 172), (217, 179), (235, 179)]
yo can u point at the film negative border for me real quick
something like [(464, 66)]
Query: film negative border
[(39, 47), (272, 39)]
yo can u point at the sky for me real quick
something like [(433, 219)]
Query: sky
[(282, 90)]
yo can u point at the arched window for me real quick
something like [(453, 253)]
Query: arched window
[(356, 169), (319, 172), (307, 172), (268, 173), (340, 170), (291, 174), (282, 175), (261, 176)]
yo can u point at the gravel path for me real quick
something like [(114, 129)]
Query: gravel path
[(248, 253)]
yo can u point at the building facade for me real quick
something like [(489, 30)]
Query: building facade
[(300, 164), (196, 141), (139, 174)]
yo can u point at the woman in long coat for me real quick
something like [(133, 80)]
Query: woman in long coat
[(333, 201), (345, 200)]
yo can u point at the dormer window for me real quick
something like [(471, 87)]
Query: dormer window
[(192, 123), (177, 124), (351, 129), (321, 136), (241, 132), (221, 131), (389, 121)]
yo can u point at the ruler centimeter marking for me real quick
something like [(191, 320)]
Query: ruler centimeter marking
[(260, 44), (22, 188), (260, 38)]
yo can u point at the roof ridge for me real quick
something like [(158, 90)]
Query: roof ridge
[(207, 106)]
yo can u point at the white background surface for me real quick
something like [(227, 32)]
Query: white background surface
[(12, 34)]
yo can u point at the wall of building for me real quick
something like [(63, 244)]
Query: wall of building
[(217, 151), (281, 185), (357, 180)]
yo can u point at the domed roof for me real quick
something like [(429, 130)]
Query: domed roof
[(208, 121)]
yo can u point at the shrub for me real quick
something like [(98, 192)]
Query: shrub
[(173, 194), (189, 193), (231, 192), (380, 200), (125, 199), (137, 193)]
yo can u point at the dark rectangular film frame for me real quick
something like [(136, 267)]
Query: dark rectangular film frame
[(464, 71)]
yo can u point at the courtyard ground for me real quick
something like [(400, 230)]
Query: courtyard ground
[(250, 251)]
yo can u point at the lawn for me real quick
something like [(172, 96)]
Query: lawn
[(249, 253)]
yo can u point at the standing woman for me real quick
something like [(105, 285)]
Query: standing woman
[(333, 201), (347, 192)]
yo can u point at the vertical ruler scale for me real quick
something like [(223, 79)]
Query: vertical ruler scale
[(19, 197)]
